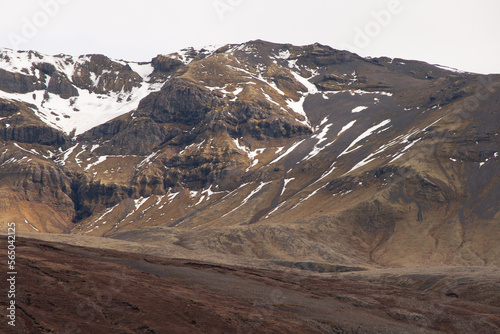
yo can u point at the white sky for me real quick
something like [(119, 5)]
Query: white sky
[(457, 33)]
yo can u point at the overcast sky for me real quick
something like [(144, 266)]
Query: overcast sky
[(457, 33)]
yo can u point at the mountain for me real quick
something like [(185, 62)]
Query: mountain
[(256, 151)]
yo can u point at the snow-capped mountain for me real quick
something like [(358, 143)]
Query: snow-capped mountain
[(259, 149), (75, 94)]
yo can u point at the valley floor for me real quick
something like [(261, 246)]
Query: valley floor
[(64, 288)]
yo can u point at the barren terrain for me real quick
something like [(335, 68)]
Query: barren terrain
[(72, 289)]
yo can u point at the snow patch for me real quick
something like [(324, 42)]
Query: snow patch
[(284, 54), (246, 199), (275, 209), (364, 135), (321, 138), (451, 69), (251, 154), (31, 225), (311, 88), (286, 181), (309, 196), (346, 127), (364, 92), (298, 108), (148, 160), (293, 147), (99, 160), (66, 154), (359, 109)]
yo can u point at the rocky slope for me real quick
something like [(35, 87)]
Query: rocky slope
[(258, 150)]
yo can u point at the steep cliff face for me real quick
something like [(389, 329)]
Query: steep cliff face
[(34, 193), (259, 149)]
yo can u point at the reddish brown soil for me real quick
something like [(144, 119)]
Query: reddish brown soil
[(69, 289)]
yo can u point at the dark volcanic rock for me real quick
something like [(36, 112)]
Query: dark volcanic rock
[(59, 84), (243, 118), (139, 137), (165, 64), (18, 83), (36, 134), (7, 108), (89, 196), (322, 55), (113, 76), (178, 102), (45, 68)]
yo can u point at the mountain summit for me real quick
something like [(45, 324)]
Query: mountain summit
[(256, 150)]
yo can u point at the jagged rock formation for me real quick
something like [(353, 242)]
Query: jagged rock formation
[(260, 150)]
